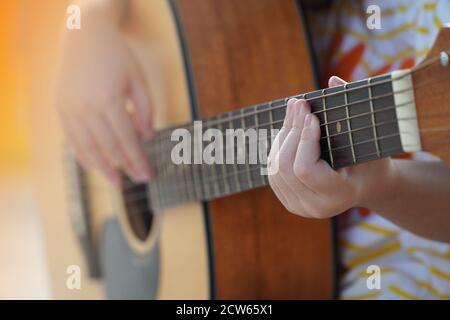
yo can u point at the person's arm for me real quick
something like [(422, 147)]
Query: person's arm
[(417, 198), (98, 76), (415, 195)]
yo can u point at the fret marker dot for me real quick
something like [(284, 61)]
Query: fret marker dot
[(338, 127)]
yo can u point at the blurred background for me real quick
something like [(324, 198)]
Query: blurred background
[(29, 137), (23, 270), (38, 245)]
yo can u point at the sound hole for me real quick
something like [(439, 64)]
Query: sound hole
[(137, 208)]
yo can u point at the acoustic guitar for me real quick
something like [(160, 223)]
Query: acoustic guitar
[(220, 231)]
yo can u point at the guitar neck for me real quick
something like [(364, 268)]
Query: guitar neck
[(360, 121)]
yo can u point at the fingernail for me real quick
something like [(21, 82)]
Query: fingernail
[(308, 119), (292, 101), (304, 104), (335, 81)]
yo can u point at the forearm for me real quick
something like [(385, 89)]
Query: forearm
[(417, 198)]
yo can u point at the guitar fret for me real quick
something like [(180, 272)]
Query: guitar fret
[(271, 118), (152, 184), (269, 143), (350, 133), (167, 183), (154, 196), (177, 188), (223, 166), (349, 124), (216, 188), (174, 189), (246, 151), (175, 193), (185, 186), (255, 110), (204, 190), (271, 106), (165, 200), (174, 196), (235, 170), (159, 185), (377, 146), (196, 180), (196, 166), (190, 183), (205, 175), (326, 128)]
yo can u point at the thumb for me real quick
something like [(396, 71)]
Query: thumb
[(335, 81)]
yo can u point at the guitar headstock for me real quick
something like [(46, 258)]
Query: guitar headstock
[(431, 81)]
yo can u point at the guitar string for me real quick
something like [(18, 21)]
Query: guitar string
[(138, 196), (167, 188), (189, 181), (165, 162), (345, 106), (322, 97), (387, 108), (391, 94), (324, 150), (368, 100), (221, 176), (210, 122), (343, 119), (368, 85), (144, 195)]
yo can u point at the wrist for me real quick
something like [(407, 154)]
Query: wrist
[(381, 187)]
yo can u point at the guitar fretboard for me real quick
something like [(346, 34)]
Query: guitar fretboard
[(358, 123)]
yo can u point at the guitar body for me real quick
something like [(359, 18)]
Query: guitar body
[(242, 53), (201, 58)]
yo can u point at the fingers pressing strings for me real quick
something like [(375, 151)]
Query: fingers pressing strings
[(86, 149), (274, 153), (129, 141)]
